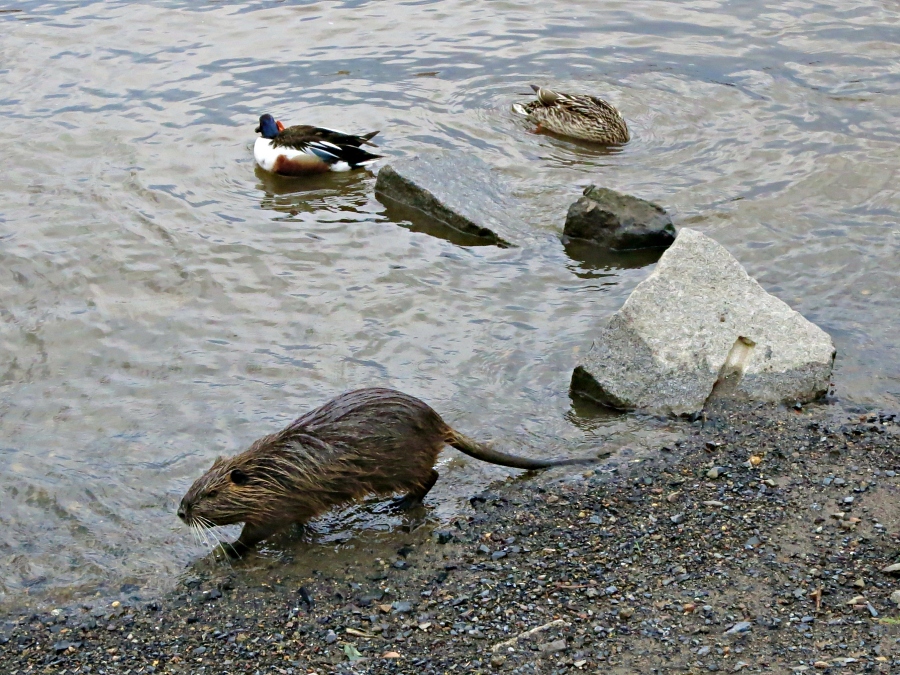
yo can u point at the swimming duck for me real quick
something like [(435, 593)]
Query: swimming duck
[(577, 115), (304, 149)]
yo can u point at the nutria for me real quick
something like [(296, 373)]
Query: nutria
[(363, 442)]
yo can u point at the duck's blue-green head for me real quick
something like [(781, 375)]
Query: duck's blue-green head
[(267, 126)]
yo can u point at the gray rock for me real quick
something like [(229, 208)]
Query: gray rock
[(618, 221), (458, 191), (739, 627), (699, 322)]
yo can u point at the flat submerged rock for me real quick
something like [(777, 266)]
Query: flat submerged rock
[(459, 191), (699, 322)]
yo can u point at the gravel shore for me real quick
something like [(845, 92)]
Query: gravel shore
[(757, 543)]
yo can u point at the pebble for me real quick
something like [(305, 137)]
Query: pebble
[(551, 647), (895, 597), (401, 606), (739, 627), (892, 569), (677, 519), (330, 637), (715, 472)]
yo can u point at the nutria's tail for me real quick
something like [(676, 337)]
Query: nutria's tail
[(486, 454)]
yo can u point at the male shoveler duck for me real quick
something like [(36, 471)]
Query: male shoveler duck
[(578, 115), (304, 149)]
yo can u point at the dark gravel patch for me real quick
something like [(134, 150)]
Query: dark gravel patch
[(756, 544)]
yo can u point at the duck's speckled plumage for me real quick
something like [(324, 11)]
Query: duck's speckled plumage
[(577, 115)]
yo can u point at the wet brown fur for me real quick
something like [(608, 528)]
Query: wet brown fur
[(364, 442)]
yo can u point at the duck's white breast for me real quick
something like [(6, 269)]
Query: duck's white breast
[(266, 155)]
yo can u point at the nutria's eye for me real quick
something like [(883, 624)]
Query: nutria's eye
[(238, 477)]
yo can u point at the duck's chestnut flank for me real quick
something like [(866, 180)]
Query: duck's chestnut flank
[(366, 442)]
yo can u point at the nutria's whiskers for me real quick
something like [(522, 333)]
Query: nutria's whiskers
[(364, 442)]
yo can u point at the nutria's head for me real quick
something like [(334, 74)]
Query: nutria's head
[(252, 487)]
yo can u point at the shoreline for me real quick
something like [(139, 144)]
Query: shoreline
[(755, 543)]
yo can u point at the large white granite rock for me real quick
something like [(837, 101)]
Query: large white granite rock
[(700, 322)]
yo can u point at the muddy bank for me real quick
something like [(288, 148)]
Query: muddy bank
[(755, 544)]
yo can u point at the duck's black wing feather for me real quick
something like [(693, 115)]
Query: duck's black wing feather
[(330, 146), (304, 133)]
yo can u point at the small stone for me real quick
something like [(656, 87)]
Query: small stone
[(704, 650), (677, 519), (859, 583), (755, 460), (497, 660), (498, 555), (484, 549), (890, 474), (713, 503), (739, 627), (330, 637), (198, 651), (714, 472), (821, 665), (385, 608), (892, 569), (401, 606), (443, 537), (626, 613), (857, 600), (839, 482), (895, 597), (849, 500), (752, 542), (552, 647), (390, 655), (401, 565)]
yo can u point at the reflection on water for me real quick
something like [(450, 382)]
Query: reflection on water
[(163, 302)]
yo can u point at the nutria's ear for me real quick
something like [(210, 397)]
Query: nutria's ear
[(218, 460), (238, 477)]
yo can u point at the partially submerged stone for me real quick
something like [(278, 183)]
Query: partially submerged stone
[(700, 322), (459, 191), (618, 221)]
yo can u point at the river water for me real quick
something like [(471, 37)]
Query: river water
[(163, 302)]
